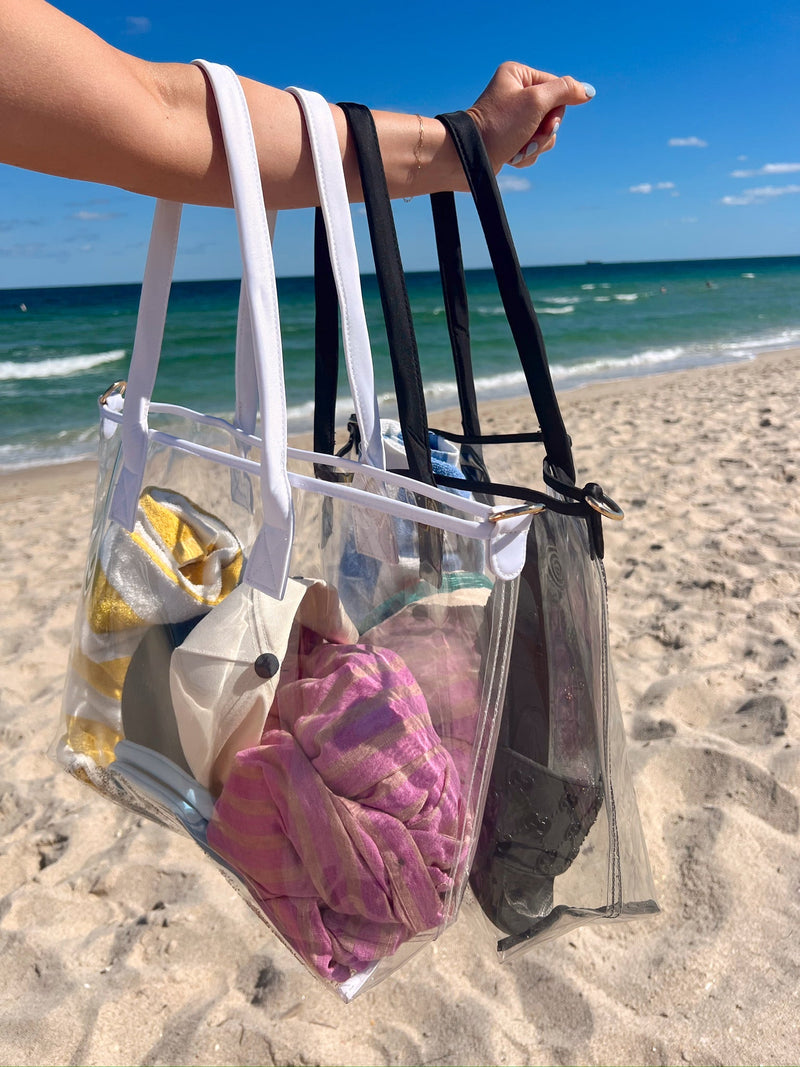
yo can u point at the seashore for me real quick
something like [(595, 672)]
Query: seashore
[(120, 943)]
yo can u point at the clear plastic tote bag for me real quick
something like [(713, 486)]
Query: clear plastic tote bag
[(296, 658), (560, 843)]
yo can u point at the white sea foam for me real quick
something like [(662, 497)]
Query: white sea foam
[(561, 299), (444, 394), (602, 299), (618, 365), (749, 345), (512, 383), (558, 311), (626, 296), (300, 415), (66, 446), (59, 367), (590, 286)]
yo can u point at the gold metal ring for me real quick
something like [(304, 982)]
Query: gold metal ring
[(606, 507), (513, 513), (117, 387)]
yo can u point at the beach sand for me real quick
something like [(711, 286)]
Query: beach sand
[(120, 944)]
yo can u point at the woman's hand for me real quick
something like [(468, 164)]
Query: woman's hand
[(517, 115), (520, 110)]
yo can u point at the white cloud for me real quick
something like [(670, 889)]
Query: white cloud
[(758, 196), (6, 225), (137, 24), (768, 168), (81, 238), (687, 142), (33, 250), (648, 187), (511, 183), (93, 216), (767, 191)]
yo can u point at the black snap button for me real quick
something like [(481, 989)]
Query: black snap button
[(267, 665)]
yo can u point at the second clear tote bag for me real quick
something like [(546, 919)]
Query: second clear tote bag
[(560, 843)]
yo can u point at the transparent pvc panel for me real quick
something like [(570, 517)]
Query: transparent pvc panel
[(331, 750), (561, 842)]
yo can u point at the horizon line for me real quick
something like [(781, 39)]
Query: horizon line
[(430, 270)]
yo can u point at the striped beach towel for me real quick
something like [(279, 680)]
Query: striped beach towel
[(346, 819), (178, 562)]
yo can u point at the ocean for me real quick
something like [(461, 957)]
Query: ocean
[(60, 348)]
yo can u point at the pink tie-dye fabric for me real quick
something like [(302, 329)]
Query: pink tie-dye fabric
[(439, 640), (346, 819)]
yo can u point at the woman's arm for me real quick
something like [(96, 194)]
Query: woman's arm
[(74, 106)]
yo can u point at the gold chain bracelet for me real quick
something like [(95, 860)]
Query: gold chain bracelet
[(417, 154)]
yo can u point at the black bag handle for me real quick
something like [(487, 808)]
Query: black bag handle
[(513, 290), (456, 304), (397, 312), (589, 502), (326, 343), (394, 300), (399, 328)]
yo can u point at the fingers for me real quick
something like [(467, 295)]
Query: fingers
[(556, 92), (551, 121), (551, 89), (519, 112), (531, 152), (561, 92), (542, 141), (525, 75)]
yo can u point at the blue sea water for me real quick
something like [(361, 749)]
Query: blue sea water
[(60, 348)]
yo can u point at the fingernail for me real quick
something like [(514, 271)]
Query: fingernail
[(556, 124), (526, 152), (588, 89)]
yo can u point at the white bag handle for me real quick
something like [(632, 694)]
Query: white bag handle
[(268, 562), (344, 262), (335, 206), (259, 363), (246, 411)]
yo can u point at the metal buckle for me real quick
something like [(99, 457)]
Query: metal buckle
[(117, 387), (522, 509), (606, 507)]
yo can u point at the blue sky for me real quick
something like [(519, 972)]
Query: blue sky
[(691, 148)]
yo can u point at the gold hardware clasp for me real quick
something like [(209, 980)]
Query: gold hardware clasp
[(513, 513), (606, 507), (117, 387)]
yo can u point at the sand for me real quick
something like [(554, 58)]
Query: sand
[(120, 944)]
